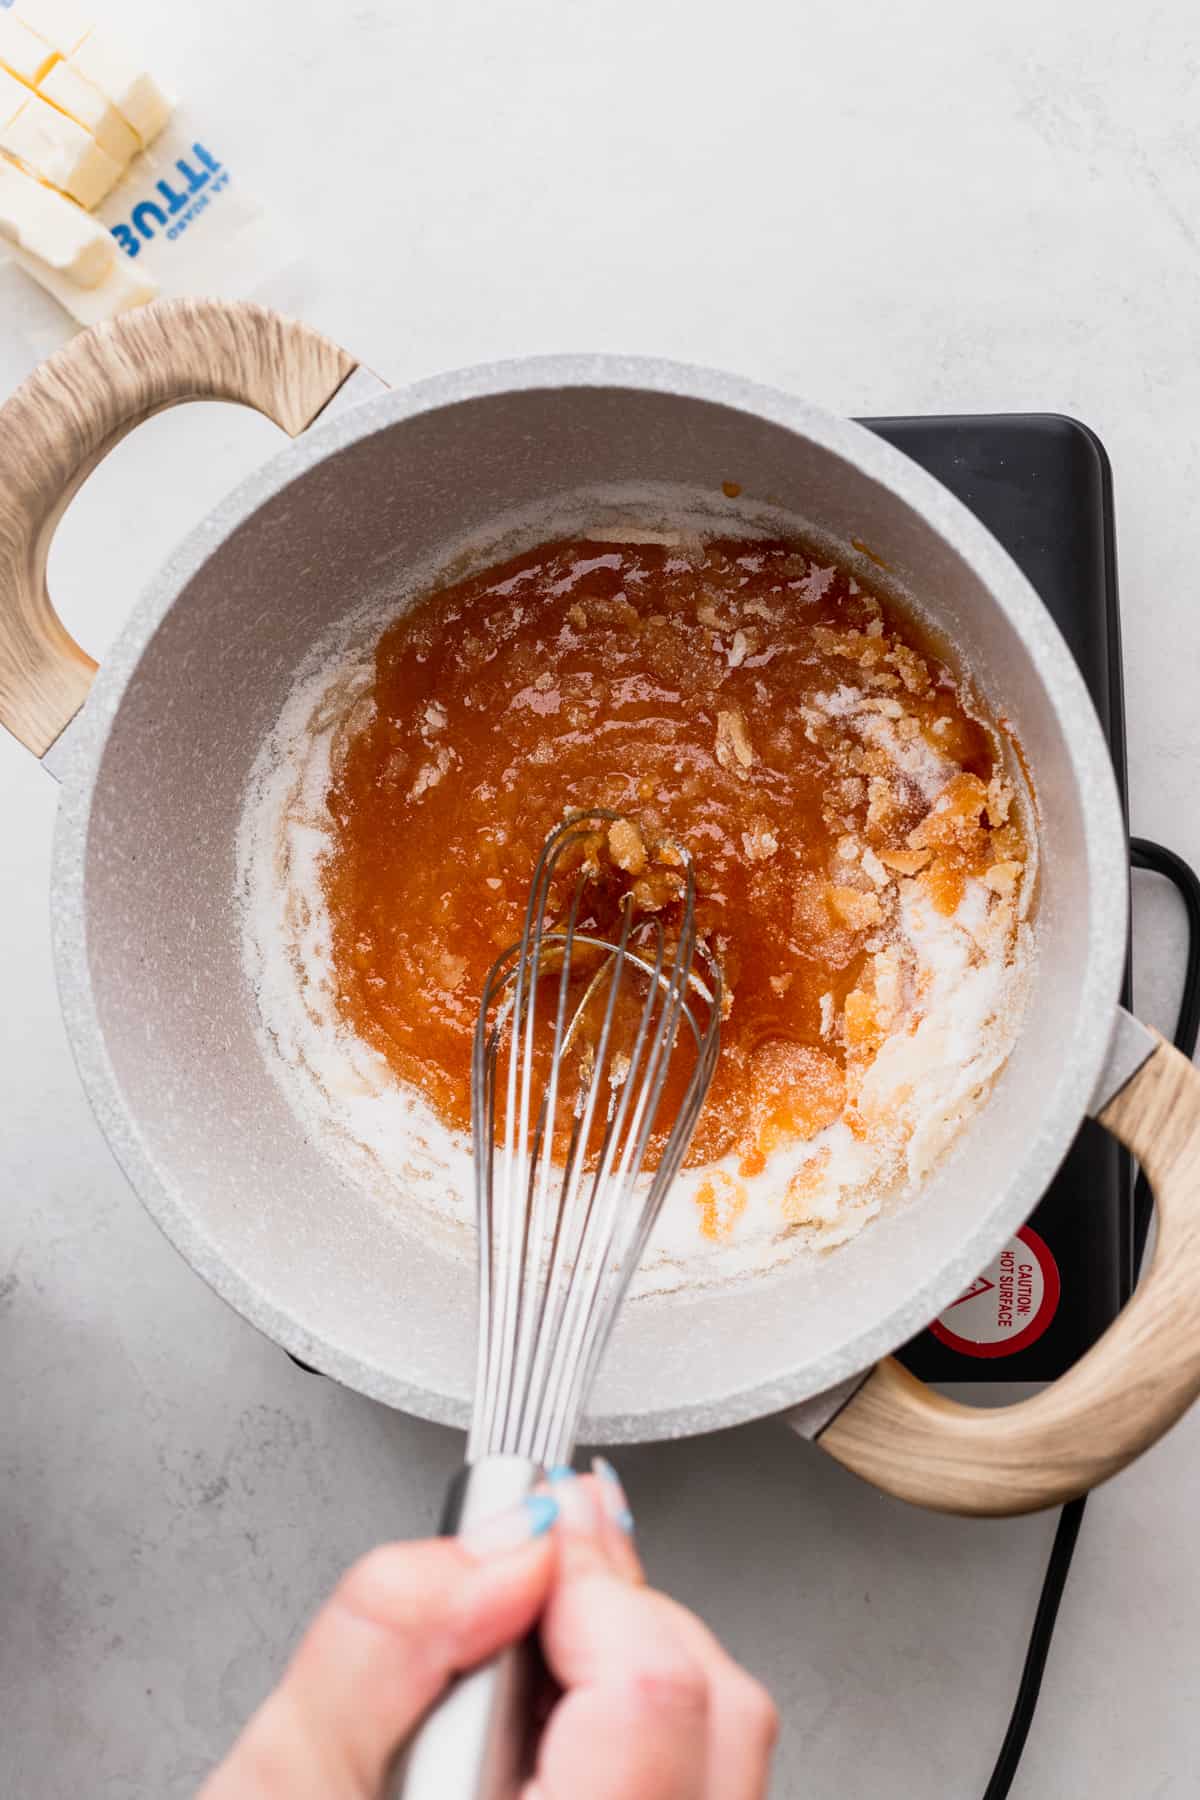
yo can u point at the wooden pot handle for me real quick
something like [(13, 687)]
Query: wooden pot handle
[(1115, 1402), (67, 417)]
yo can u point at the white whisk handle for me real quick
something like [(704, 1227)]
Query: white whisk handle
[(473, 1745)]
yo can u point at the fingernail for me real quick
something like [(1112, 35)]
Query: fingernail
[(616, 1506), (576, 1507), (509, 1530)]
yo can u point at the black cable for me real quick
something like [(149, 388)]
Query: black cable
[(1159, 861), (1183, 878), (1025, 1704)]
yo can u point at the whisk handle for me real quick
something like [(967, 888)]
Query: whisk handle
[(473, 1744)]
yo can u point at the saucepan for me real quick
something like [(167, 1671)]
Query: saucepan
[(154, 751)]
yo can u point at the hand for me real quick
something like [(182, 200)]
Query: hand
[(652, 1708)]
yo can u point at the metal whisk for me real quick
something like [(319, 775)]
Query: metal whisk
[(559, 1240), (575, 1040)]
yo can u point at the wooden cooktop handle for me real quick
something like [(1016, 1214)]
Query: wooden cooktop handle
[(1115, 1402), (68, 415)]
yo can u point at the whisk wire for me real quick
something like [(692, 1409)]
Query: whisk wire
[(596, 1292), (605, 1194), (541, 1170), (519, 967), (559, 1239), (577, 1251)]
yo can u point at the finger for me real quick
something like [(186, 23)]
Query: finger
[(618, 1520), (594, 1508), (400, 1624), (743, 1724), (634, 1716), (643, 1737), (743, 1720)]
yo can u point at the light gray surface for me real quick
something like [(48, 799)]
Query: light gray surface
[(995, 210)]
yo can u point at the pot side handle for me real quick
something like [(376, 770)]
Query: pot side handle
[(1116, 1401), (66, 418)]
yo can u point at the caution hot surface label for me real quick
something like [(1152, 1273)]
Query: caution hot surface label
[(1009, 1305)]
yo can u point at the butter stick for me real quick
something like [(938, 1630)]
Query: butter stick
[(58, 23), (121, 289), (65, 88), (121, 79), (53, 229), (13, 96), (22, 53), (60, 152)]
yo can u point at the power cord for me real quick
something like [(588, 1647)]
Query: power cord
[(1159, 861)]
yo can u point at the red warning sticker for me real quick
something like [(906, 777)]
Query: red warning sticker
[(1008, 1307)]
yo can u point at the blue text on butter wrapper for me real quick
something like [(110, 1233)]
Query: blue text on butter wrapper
[(181, 202)]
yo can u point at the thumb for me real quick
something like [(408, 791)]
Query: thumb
[(400, 1624)]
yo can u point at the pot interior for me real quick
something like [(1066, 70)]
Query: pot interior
[(366, 1293)]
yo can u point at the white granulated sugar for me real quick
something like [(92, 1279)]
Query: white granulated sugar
[(874, 868), (626, 534), (382, 1135), (956, 1016), (874, 720), (430, 773), (843, 703), (736, 655), (965, 1034), (952, 989)]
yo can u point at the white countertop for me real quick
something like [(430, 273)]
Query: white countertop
[(891, 209)]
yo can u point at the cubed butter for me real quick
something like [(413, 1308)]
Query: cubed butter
[(65, 88), (22, 52), (122, 288), (13, 96), (120, 78), (58, 23), (53, 229), (60, 151)]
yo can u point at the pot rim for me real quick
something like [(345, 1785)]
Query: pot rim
[(1091, 768)]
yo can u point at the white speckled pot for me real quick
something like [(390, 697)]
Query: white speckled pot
[(145, 926)]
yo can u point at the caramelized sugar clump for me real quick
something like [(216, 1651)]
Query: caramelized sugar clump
[(739, 697)]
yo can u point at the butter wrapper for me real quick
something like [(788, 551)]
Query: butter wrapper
[(186, 218)]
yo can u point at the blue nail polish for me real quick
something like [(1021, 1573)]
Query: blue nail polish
[(616, 1506), (542, 1511), (578, 1504)]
